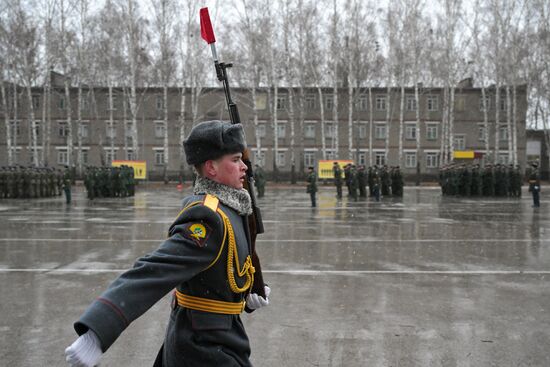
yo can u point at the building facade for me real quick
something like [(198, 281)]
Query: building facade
[(102, 128)]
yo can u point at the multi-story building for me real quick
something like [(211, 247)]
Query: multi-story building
[(99, 138)]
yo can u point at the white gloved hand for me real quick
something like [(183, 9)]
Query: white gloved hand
[(254, 301), (85, 351)]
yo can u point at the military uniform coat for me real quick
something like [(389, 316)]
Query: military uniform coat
[(194, 262)]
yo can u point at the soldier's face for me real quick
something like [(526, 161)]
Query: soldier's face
[(230, 170)]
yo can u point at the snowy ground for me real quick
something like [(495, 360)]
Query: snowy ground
[(421, 281)]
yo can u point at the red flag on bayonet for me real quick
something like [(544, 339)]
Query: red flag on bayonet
[(207, 33)]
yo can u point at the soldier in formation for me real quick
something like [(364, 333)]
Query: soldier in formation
[(471, 180), (109, 181), (19, 182), (337, 171)]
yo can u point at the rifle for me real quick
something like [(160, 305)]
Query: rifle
[(255, 223)]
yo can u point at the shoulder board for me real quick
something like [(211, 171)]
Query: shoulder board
[(211, 202)]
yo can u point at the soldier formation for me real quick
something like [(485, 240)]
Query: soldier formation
[(381, 181), (109, 182), (19, 182), (473, 180)]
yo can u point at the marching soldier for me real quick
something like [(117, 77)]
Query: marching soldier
[(212, 273), (385, 181)]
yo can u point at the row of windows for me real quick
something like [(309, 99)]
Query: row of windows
[(310, 102), (431, 158)]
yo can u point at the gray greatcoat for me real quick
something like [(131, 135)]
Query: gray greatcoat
[(192, 265)]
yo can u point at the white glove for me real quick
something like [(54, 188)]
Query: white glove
[(85, 351), (254, 301)]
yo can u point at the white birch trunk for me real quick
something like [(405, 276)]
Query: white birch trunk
[(182, 124), (451, 124), (417, 125), (6, 123), (401, 124), (79, 128), (335, 138), (497, 122), (509, 123), (388, 123), (275, 129), (70, 160), (166, 146), (322, 113), (485, 120), (514, 126), (371, 122), (111, 121), (350, 114)]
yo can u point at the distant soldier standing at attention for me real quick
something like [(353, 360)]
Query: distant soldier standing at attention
[(312, 185)]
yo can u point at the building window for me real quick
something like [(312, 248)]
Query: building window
[(310, 102), (129, 140), (503, 158), (330, 130), (330, 154), (111, 130), (62, 129), (362, 158), (35, 102), (159, 156), (160, 129), (481, 133), (432, 103), (411, 103), (160, 103), (84, 156), (281, 102), (110, 156), (128, 128), (380, 131), (410, 132), (61, 102), (362, 103), (380, 158), (281, 159), (410, 159), (130, 155), (15, 128), (309, 130), (380, 103), (259, 158), (62, 156), (329, 103), (362, 131), (487, 103), (503, 133), (281, 130), (459, 142), (431, 131), (309, 159), (83, 130), (84, 103), (114, 101), (261, 130), (502, 104), (431, 160)]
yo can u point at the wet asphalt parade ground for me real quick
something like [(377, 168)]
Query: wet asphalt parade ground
[(422, 281)]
